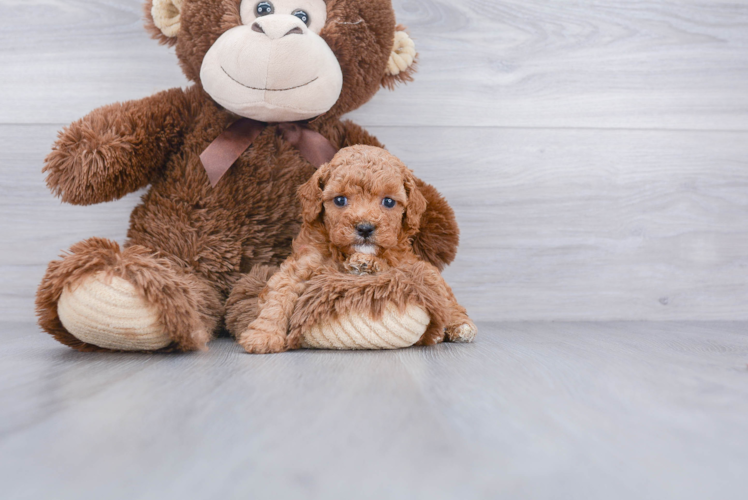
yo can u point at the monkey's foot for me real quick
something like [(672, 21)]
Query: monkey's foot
[(395, 330), (108, 312)]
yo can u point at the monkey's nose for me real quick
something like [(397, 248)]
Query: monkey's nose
[(365, 229), (278, 26)]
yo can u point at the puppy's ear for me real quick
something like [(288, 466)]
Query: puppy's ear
[(416, 205), (310, 194)]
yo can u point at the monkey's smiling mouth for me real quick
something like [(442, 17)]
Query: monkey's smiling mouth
[(269, 90)]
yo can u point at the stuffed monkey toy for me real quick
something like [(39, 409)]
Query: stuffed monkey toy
[(223, 160)]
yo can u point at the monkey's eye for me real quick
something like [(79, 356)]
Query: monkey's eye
[(340, 201), (264, 9), (389, 203), (302, 15)]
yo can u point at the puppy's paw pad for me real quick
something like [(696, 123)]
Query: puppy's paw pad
[(462, 333), (360, 264), (255, 342)]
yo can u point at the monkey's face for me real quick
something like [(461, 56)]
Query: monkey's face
[(274, 67), (286, 60)]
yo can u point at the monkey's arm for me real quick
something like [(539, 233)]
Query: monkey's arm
[(116, 149), (439, 235)]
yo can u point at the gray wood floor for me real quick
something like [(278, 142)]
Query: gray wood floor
[(533, 410), (596, 154)]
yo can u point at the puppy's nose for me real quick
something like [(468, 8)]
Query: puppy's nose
[(365, 229)]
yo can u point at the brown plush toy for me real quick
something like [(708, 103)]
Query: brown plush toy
[(354, 258), (223, 159)]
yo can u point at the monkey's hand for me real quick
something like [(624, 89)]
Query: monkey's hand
[(116, 149)]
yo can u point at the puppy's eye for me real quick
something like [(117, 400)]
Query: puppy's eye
[(389, 203), (340, 201), (302, 15), (264, 9)]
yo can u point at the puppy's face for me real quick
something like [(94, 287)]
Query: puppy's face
[(366, 200), (363, 210)]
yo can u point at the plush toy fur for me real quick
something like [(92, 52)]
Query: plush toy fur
[(190, 245), (354, 258)]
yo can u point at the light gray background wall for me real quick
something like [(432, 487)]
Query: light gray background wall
[(596, 152)]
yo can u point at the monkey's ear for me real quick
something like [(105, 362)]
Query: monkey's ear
[(416, 205), (163, 19), (402, 63), (310, 194)]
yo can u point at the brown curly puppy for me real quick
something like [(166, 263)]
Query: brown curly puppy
[(360, 214)]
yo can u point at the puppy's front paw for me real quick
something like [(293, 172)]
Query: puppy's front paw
[(262, 341), (462, 332), (360, 264)]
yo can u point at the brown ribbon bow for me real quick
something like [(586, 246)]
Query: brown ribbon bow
[(238, 137)]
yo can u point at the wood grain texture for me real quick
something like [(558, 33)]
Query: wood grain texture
[(510, 63), (533, 410), (556, 224)]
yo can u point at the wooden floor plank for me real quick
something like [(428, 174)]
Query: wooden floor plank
[(510, 63), (532, 410)]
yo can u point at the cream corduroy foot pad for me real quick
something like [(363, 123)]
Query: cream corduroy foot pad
[(356, 332), (110, 314)]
